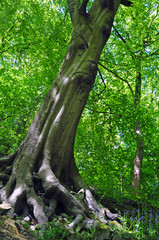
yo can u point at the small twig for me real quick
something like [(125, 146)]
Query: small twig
[(118, 34), (102, 82), (154, 17), (124, 41), (116, 75), (110, 112), (63, 18), (101, 77)]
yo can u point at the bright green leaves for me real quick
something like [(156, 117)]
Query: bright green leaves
[(131, 48), (33, 39)]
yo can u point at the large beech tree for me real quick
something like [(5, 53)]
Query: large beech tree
[(41, 175)]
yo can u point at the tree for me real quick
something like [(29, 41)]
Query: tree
[(140, 55), (126, 65), (43, 170)]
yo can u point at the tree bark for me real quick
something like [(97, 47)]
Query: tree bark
[(137, 171), (43, 171)]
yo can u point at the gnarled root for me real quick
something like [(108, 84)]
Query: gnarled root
[(22, 193), (42, 195)]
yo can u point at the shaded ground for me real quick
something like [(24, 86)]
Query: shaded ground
[(91, 229)]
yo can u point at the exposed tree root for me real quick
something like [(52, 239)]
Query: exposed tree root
[(7, 160), (43, 196)]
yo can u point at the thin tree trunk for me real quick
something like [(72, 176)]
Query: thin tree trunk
[(137, 171)]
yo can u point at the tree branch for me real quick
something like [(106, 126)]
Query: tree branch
[(82, 9), (154, 17), (63, 18), (7, 160), (73, 6), (104, 112), (102, 82), (126, 3), (5, 50), (116, 75), (102, 77), (119, 35)]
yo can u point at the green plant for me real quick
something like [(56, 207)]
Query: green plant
[(54, 230), (85, 235), (142, 222)]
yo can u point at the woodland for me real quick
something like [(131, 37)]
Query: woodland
[(79, 117)]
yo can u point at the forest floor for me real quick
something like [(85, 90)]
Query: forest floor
[(137, 221)]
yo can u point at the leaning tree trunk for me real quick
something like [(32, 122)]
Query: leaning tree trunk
[(43, 171)]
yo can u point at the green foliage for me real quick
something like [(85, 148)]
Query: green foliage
[(138, 224), (143, 222), (105, 142), (59, 230), (53, 231), (33, 39)]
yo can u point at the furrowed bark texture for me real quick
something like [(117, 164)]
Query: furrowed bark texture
[(43, 171)]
